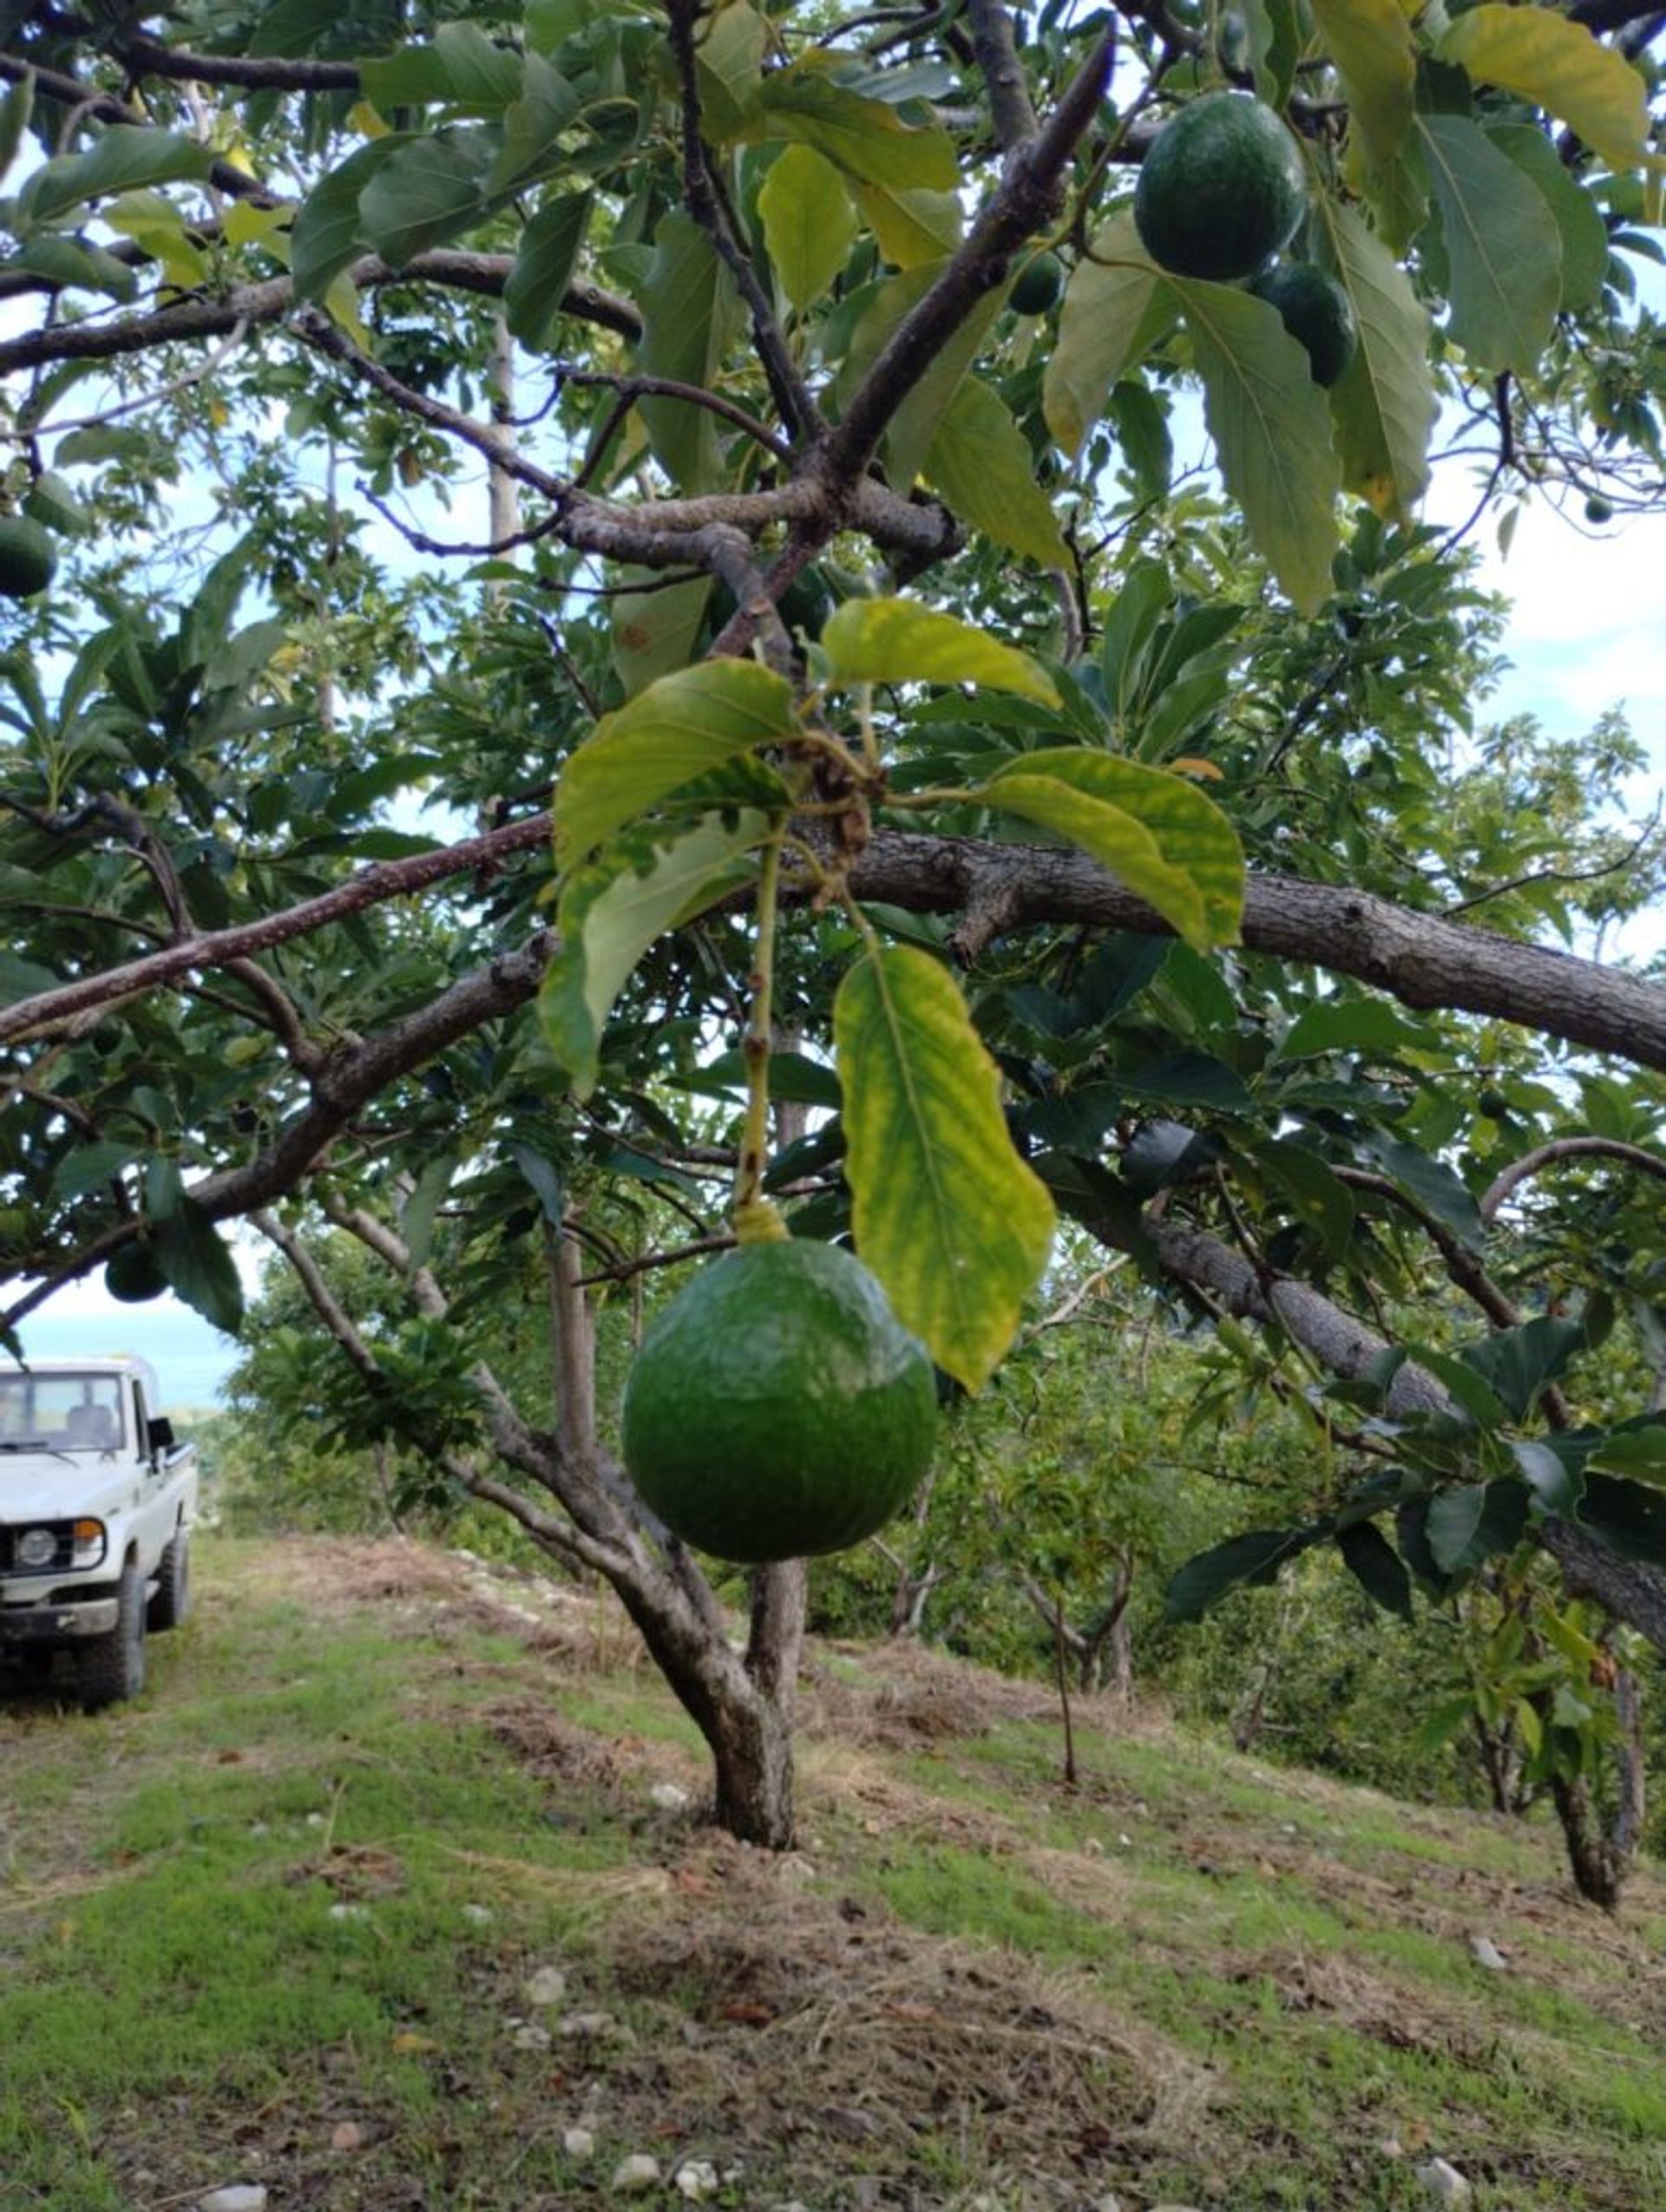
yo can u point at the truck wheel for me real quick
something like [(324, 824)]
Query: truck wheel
[(113, 1665), (172, 1603)]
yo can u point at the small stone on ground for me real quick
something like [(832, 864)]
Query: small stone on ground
[(637, 2172)]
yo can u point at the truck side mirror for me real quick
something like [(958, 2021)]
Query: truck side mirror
[(159, 1434)]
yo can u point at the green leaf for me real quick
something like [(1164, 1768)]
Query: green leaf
[(899, 641), (1503, 248), (66, 262), (1561, 67), (460, 67), (1431, 1182), (1519, 1363), (731, 56), (125, 157), (1171, 845), (691, 312), (865, 138), (534, 294), (1383, 405), (532, 128), (1639, 1453), (809, 224), (1376, 1566), (1271, 427), (1116, 305), (199, 1266), (1467, 1527), (613, 910), (679, 729), (1278, 32), (1557, 1486), (418, 1214), (1627, 1515), (1370, 1026), (952, 1222), (15, 109), (654, 629), (981, 463), (1443, 1723), (90, 1167), (328, 233), (1320, 1200), (1577, 217), (427, 190), (1370, 42), (1242, 1562)]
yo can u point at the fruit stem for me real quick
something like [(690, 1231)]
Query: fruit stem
[(755, 1219)]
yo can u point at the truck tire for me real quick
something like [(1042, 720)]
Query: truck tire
[(112, 1667), (172, 1603)]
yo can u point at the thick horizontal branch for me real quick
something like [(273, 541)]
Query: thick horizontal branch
[(1418, 958)]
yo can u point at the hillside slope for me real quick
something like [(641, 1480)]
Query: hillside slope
[(382, 1897)]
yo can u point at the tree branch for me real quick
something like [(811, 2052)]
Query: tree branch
[(1003, 72), (1568, 1148)]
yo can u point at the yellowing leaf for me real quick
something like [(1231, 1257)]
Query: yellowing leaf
[(684, 727), (899, 641), (981, 463), (1114, 307), (912, 226), (1562, 68), (1370, 42), (1167, 841), (952, 1222)]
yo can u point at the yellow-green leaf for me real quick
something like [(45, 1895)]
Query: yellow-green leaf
[(1370, 42), (1171, 845), (912, 226), (655, 625), (809, 223), (868, 139), (1562, 68), (1271, 427), (952, 1222), (981, 463), (690, 310), (1114, 308), (899, 641), (680, 729), (613, 910), (1383, 406)]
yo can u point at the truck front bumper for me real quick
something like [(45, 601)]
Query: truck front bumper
[(33, 1626)]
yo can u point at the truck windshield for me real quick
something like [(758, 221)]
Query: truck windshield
[(61, 1412)]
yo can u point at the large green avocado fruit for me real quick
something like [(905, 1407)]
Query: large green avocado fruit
[(1221, 190), (134, 1274), (778, 1407), (1316, 312), (29, 559)]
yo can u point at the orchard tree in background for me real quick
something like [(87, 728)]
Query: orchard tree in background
[(754, 448)]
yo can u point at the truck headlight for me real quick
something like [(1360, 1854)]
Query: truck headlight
[(88, 1543), (37, 1548)]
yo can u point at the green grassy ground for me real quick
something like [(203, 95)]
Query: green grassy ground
[(276, 1922)]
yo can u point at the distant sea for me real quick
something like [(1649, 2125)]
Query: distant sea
[(191, 1357)]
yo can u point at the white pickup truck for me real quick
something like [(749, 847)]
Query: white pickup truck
[(96, 1503)]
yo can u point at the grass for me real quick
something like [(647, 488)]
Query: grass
[(276, 1921)]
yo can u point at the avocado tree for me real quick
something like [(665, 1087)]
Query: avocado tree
[(640, 434)]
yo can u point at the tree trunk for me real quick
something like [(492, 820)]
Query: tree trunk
[(1600, 1862)]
